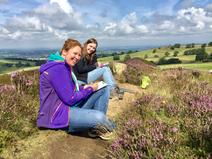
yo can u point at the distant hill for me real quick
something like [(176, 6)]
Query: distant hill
[(167, 52)]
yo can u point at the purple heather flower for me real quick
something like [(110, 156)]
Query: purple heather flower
[(132, 124), (117, 144), (143, 143), (135, 155), (29, 82), (13, 74), (6, 88), (174, 129)]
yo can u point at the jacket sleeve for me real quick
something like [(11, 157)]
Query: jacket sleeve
[(64, 86), (83, 67)]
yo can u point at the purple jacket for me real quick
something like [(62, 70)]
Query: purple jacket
[(57, 95)]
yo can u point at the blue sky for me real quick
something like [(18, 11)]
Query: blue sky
[(47, 23)]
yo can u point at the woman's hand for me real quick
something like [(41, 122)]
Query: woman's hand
[(93, 85), (100, 64)]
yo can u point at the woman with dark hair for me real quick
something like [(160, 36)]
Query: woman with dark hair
[(66, 105), (89, 70)]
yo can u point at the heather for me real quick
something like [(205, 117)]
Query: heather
[(172, 118), (19, 101), (136, 67)]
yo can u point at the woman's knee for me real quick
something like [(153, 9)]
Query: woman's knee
[(106, 69), (99, 117)]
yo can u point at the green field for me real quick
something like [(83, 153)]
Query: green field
[(187, 61), (4, 70), (12, 65), (7, 61), (195, 66), (160, 52)]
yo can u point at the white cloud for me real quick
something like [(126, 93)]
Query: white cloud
[(15, 35), (25, 23), (130, 19), (200, 25), (142, 29), (129, 25), (54, 19), (182, 29), (55, 16), (192, 14), (197, 17), (167, 25), (4, 31), (111, 28), (57, 20), (64, 5), (125, 28)]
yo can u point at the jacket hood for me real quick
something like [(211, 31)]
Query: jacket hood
[(55, 57), (50, 64)]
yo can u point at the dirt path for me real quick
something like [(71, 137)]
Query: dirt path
[(49, 144)]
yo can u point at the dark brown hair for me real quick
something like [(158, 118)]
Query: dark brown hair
[(84, 52)]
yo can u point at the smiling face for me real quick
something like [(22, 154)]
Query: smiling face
[(72, 56), (91, 48)]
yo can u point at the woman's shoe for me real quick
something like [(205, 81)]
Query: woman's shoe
[(107, 136), (120, 94), (92, 133), (117, 92), (113, 93), (101, 132)]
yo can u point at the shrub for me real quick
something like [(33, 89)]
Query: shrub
[(177, 45), (175, 53), (203, 45), (210, 44), (163, 61), (145, 56), (192, 45), (201, 56), (172, 48), (167, 54), (116, 57), (156, 56), (154, 51), (127, 57)]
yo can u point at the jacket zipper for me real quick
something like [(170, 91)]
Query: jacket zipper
[(55, 112)]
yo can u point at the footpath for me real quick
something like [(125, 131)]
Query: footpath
[(49, 144)]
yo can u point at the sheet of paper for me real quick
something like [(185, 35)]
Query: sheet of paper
[(101, 84)]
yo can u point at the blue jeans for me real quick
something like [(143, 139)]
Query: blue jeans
[(91, 112), (103, 72), (99, 72)]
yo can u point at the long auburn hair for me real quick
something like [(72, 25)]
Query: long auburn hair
[(70, 43), (84, 52)]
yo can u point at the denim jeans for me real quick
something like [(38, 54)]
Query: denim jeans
[(91, 112), (103, 72)]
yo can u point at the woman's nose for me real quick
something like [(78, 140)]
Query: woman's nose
[(78, 57)]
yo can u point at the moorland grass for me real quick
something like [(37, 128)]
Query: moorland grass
[(171, 119)]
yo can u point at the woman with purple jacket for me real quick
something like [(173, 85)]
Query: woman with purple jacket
[(66, 105)]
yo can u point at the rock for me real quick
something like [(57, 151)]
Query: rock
[(119, 68)]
